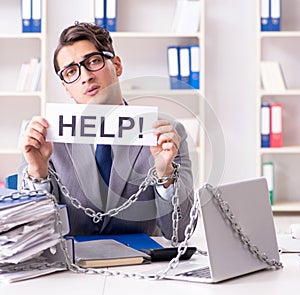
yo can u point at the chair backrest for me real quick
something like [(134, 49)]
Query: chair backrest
[(12, 181)]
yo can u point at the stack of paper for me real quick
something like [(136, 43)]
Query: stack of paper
[(28, 227)]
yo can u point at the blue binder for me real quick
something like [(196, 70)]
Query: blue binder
[(195, 66), (184, 67), (26, 15), (275, 14), (36, 16), (111, 15), (265, 19), (265, 125), (99, 12), (173, 66)]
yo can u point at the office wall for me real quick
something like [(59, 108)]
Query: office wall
[(230, 80)]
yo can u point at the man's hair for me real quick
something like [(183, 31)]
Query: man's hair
[(99, 36)]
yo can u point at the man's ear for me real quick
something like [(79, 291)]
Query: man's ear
[(118, 65)]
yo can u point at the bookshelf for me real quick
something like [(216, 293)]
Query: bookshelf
[(16, 49), (281, 46), (141, 40)]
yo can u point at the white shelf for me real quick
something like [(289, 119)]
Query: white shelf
[(287, 92), (290, 207), (281, 150), (281, 47), (281, 34), (153, 35), (19, 94), (21, 36)]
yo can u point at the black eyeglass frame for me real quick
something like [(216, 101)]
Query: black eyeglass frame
[(103, 54)]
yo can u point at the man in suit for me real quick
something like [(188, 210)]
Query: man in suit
[(89, 70)]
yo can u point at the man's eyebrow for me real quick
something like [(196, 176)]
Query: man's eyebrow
[(84, 57)]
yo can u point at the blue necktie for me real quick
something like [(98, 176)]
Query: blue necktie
[(103, 158)]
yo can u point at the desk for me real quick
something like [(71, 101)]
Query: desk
[(284, 281)]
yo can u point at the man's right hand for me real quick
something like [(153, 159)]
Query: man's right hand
[(35, 148)]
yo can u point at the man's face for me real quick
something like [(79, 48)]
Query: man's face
[(89, 88)]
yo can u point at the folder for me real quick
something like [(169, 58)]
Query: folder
[(173, 66), (275, 12), (268, 173), (26, 16), (99, 12), (36, 16), (138, 241), (276, 125), (265, 125), (111, 15), (184, 67), (195, 66)]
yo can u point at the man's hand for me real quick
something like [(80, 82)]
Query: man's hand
[(36, 149), (168, 142)]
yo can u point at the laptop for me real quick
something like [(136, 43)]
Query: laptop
[(227, 257)]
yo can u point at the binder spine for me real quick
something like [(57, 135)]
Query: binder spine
[(184, 68), (275, 13), (36, 19), (276, 125), (265, 125), (99, 10), (26, 15), (111, 15), (173, 66), (268, 173), (195, 66)]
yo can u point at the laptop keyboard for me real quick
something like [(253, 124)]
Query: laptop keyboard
[(197, 273)]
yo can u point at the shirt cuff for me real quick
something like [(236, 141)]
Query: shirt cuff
[(165, 193)]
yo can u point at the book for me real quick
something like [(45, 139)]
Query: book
[(29, 76), (272, 78), (105, 253)]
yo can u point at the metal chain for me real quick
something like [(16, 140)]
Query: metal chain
[(182, 247), (151, 179)]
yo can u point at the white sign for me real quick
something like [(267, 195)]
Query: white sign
[(101, 124)]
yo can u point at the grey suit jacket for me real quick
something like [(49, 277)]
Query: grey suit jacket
[(150, 214)]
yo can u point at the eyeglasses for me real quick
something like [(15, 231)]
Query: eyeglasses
[(93, 62)]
